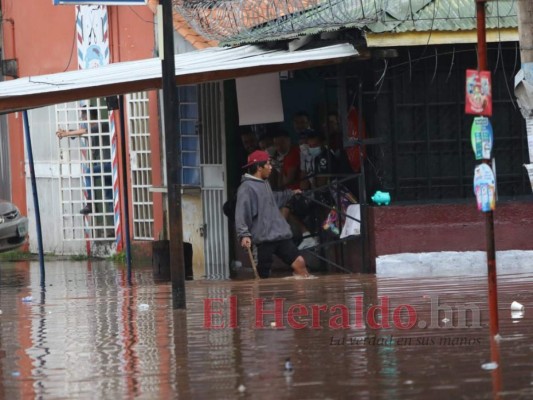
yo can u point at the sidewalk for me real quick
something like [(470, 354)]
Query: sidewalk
[(450, 263)]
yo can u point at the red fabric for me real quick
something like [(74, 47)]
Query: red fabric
[(353, 153), (292, 160)]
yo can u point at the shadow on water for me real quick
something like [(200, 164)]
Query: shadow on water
[(89, 334)]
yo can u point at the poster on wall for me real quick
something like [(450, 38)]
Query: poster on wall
[(93, 38), (478, 100)]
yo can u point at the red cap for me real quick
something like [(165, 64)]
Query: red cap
[(257, 156)]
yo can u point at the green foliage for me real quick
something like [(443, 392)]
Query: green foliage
[(79, 257), (118, 257), (16, 255)]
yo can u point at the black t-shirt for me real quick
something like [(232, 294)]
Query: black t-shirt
[(325, 163)]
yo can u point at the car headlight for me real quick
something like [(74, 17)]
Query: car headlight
[(2, 219)]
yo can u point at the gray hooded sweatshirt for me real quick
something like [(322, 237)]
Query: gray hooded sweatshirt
[(257, 213)]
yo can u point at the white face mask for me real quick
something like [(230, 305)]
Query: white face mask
[(304, 148), (315, 151)]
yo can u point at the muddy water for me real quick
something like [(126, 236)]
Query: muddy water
[(89, 335)]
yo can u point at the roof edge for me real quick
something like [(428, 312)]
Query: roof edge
[(389, 39)]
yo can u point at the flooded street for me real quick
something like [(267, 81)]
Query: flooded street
[(89, 335)]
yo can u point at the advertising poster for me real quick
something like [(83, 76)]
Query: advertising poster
[(478, 99), (482, 137), (485, 188)]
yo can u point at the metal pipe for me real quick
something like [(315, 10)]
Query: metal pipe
[(123, 158), (362, 180), (489, 216), (35, 196)]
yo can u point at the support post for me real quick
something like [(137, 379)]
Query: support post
[(173, 160), (35, 195), (489, 216), (125, 189)]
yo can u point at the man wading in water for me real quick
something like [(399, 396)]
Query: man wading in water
[(257, 217)]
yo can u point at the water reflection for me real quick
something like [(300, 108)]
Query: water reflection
[(89, 334)]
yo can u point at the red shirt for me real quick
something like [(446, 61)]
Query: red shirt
[(290, 161)]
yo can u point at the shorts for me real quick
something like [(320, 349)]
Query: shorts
[(284, 249)]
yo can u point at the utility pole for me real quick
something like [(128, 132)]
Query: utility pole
[(489, 215), (525, 30), (173, 159)]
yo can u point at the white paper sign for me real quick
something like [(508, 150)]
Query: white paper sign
[(351, 226), (259, 99)]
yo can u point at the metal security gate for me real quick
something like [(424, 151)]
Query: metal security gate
[(85, 171), (141, 168), (212, 150)]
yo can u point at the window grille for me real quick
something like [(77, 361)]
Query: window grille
[(86, 188), (423, 98), (141, 166)]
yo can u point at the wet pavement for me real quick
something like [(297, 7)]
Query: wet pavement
[(90, 335)]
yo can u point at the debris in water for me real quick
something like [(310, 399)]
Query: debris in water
[(143, 307), (288, 365), (516, 306), (241, 388), (489, 366), (27, 299)]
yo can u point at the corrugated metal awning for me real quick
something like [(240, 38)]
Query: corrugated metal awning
[(195, 67)]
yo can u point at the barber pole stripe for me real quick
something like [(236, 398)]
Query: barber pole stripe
[(116, 191), (84, 143)]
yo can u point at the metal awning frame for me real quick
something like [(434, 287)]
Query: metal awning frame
[(213, 64)]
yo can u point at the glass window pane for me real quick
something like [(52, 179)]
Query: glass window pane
[(188, 127), (191, 159), (189, 110), (191, 176), (189, 144), (187, 94)]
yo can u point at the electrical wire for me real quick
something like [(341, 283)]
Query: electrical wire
[(140, 17), (73, 41), (513, 102)]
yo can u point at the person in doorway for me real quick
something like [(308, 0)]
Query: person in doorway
[(323, 161), (249, 139), (258, 218), (332, 132), (288, 166), (301, 124), (287, 161)]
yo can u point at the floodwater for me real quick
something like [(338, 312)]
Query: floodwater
[(90, 335)]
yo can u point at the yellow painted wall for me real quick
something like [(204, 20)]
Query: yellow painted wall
[(192, 217)]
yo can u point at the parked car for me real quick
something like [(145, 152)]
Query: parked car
[(13, 226)]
